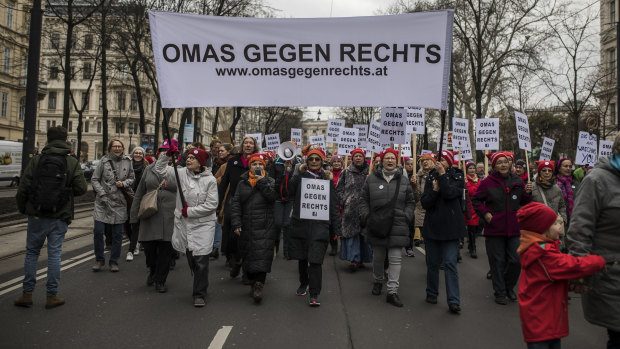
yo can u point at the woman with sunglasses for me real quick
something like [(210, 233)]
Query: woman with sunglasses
[(309, 237), (546, 191)]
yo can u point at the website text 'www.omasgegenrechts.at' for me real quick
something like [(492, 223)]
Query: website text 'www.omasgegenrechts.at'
[(307, 73)]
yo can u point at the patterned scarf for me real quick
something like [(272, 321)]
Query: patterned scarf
[(252, 178), (565, 183)]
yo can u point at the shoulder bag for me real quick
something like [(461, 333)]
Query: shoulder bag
[(148, 205), (382, 218)]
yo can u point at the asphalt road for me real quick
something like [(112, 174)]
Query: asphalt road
[(107, 310)]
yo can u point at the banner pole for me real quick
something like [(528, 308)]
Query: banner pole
[(167, 114), (372, 162), (398, 159), (415, 150), (527, 164), (486, 163)]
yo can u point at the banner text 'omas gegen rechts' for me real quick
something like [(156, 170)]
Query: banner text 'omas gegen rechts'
[(205, 61)]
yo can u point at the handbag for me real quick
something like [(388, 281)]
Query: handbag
[(127, 191), (381, 220), (148, 205)]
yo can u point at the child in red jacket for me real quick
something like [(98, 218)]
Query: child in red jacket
[(545, 272)]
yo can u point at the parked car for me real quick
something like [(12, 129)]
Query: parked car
[(10, 161)]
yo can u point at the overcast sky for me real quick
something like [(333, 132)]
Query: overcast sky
[(323, 8)]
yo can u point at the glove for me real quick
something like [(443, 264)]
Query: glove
[(184, 210), (302, 168), (172, 150)]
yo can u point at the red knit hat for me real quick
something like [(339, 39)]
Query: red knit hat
[(449, 156), (313, 149), (389, 150), (510, 156), (258, 157), (545, 164), (496, 156), (358, 151), (200, 155), (536, 217), (427, 156)]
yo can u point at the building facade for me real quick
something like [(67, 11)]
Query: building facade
[(608, 93)]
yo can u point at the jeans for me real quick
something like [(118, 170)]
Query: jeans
[(436, 252), (504, 262), (39, 229), (282, 215), (217, 241), (394, 257), (549, 344), (117, 240)]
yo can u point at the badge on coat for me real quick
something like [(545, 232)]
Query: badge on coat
[(514, 197), (234, 163), (381, 186)]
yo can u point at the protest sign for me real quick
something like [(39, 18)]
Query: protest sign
[(523, 131), (586, 149), (393, 129), (415, 121), (487, 134), (296, 136), (362, 136), (347, 140), (460, 133), (547, 149), (188, 133), (224, 136), (259, 139), (272, 141), (604, 148), (333, 130), (374, 137), (314, 202), (425, 151), (465, 152), (319, 140), (405, 149)]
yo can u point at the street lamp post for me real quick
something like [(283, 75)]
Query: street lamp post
[(96, 141)]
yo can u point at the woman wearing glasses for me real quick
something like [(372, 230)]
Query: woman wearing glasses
[(546, 191)]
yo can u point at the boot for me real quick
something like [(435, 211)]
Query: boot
[(333, 250), (54, 301), (257, 291), (98, 266), (25, 300), (472, 244), (215, 254)]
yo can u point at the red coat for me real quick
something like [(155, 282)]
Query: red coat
[(543, 289), (471, 189)]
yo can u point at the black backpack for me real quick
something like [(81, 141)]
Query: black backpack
[(50, 189)]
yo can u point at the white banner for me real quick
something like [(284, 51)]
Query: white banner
[(347, 141), (547, 149), (333, 130), (415, 121), (405, 149), (319, 140), (393, 129), (374, 137), (259, 139), (208, 61), (487, 134), (586, 149), (272, 141), (604, 148), (523, 131), (460, 133), (314, 203), (362, 136), (296, 136)]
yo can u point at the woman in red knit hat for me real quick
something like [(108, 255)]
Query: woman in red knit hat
[(546, 191)]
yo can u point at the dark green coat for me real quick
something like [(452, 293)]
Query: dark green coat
[(78, 182)]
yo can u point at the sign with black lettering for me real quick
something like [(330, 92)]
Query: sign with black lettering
[(465, 151), (393, 129), (405, 149), (333, 130), (546, 150), (347, 140), (487, 134), (273, 141), (314, 203), (523, 131), (425, 151), (604, 148), (319, 140), (362, 136), (415, 121), (460, 133), (586, 149), (374, 143), (296, 136)]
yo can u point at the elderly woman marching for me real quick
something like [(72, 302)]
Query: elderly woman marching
[(353, 247), (113, 173), (309, 237), (444, 226), (546, 191), (155, 232), (386, 210), (252, 219), (132, 228), (418, 181), (194, 220)]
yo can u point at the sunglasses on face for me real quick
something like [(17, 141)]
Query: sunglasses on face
[(314, 158), (191, 157), (546, 170)]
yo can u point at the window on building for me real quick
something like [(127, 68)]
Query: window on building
[(86, 127), (133, 105), (72, 70), (612, 113), (85, 99), (55, 40), (51, 101), (122, 71), (86, 71), (120, 103), (88, 41), (24, 70), (49, 124), (612, 63), (9, 16), (612, 12), (73, 40), (54, 70), (70, 126), (131, 128), (98, 126), (22, 108), (100, 100), (6, 65), (5, 104), (120, 127)]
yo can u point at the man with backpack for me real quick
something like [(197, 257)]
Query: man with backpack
[(45, 194)]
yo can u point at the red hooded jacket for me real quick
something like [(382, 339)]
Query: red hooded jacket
[(471, 189), (543, 287)]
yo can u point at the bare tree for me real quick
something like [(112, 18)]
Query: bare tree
[(84, 103), (358, 115)]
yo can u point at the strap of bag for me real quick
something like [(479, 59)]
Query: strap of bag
[(392, 203), (543, 195), (113, 170)]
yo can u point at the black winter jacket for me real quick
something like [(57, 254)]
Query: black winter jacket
[(444, 218), (278, 172), (232, 176), (252, 210)]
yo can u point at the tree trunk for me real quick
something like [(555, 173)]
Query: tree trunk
[(104, 82), (79, 136), (136, 82), (66, 108), (215, 121), (197, 125), (236, 118)]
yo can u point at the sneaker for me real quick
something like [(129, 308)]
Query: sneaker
[(114, 268), (501, 300), (99, 265), (409, 252), (352, 267), (511, 295), (489, 275), (473, 254), (314, 301), (236, 269), (136, 251), (24, 301), (416, 242), (129, 257), (161, 287), (454, 308), (53, 302), (376, 288), (459, 259), (199, 302), (431, 299), (394, 300), (302, 290), (333, 251)]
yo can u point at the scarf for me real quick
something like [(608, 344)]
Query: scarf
[(221, 161), (244, 160), (115, 158), (528, 238), (252, 177), (545, 184), (388, 175), (524, 177), (614, 160), (565, 183)]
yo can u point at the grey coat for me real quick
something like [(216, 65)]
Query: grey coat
[(349, 191), (378, 192), (159, 226), (595, 229), (553, 195), (110, 204), (418, 190)]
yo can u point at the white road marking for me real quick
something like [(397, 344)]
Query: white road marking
[(421, 250), (220, 337)]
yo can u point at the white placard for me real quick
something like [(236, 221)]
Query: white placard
[(405, 149), (314, 202), (393, 125), (586, 149), (460, 133), (546, 150), (487, 134), (425, 151), (465, 150), (523, 131), (362, 136), (604, 148), (188, 133), (347, 140), (415, 121), (259, 139), (333, 130), (318, 140), (447, 140), (296, 136), (272, 141), (209, 61), (374, 137)]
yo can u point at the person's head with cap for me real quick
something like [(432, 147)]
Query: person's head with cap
[(470, 168), (520, 167), (196, 160), (500, 163), (315, 157), (389, 158), (258, 162), (56, 133), (358, 157), (540, 219), (427, 161), (337, 162), (545, 170), (447, 158)]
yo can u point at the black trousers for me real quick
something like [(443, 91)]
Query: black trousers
[(158, 255), (258, 277), (614, 339), (311, 274), (504, 262), (132, 230), (472, 230), (199, 265)]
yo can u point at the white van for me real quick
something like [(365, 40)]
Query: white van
[(10, 161)]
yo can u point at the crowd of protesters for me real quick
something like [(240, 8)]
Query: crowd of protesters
[(545, 231)]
